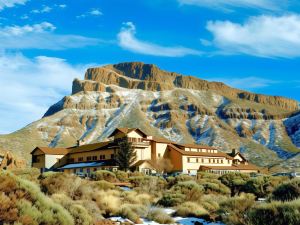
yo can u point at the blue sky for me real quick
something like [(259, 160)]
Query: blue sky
[(248, 44)]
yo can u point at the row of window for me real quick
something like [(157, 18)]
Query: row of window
[(89, 170), (202, 160), (92, 158), (130, 139), (203, 150)]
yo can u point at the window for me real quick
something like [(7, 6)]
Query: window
[(196, 159), (74, 171), (222, 161), (202, 160), (94, 157), (159, 155), (95, 169), (80, 159), (209, 160), (102, 156), (112, 156), (35, 159), (81, 170), (189, 159), (89, 158)]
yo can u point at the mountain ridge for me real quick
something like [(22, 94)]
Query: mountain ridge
[(267, 134)]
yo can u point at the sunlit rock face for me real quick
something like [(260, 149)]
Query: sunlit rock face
[(180, 108)]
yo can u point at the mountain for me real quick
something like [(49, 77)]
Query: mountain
[(266, 129)]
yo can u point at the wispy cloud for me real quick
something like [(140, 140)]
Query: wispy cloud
[(263, 36), (246, 83), (45, 9), (92, 12), (232, 4), (128, 41), (11, 3), (30, 86), (41, 36)]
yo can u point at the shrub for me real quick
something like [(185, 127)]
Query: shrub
[(205, 175), (122, 176), (159, 216), (235, 181), (30, 204), (170, 199), (233, 210), (190, 189), (31, 174), (276, 213), (214, 186), (108, 201), (191, 209), (136, 198), (103, 185), (149, 184), (76, 209), (261, 186), (133, 212), (104, 175), (52, 183), (287, 191)]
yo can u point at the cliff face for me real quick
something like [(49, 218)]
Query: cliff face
[(182, 109), (151, 78)]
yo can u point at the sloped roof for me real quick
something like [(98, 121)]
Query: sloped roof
[(197, 146), (52, 151), (90, 147), (140, 162), (126, 130), (191, 153), (88, 164)]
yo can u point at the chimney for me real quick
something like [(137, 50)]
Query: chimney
[(79, 142), (233, 152)]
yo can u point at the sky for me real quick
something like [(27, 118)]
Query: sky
[(248, 44)]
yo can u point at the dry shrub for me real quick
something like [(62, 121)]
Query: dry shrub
[(104, 175), (76, 209), (234, 210), (149, 184), (31, 205), (191, 209), (108, 201), (122, 175), (205, 175), (31, 174), (133, 212), (52, 183), (276, 213), (159, 216), (214, 186), (190, 189), (170, 199), (136, 198)]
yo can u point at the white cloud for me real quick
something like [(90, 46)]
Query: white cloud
[(30, 86), (62, 6), (230, 4), (245, 83), (40, 36), (127, 40), (264, 36), (92, 12), (11, 3), (45, 9)]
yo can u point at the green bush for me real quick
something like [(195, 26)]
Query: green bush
[(235, 181), (170, 199), (213, 186), (287, 191), (103, 185), (205, 175), (191, 209), (104, 175), (159, 216), (276, 213), (233, 210), (31, 174)]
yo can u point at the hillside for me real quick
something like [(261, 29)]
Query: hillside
[(266, 129)]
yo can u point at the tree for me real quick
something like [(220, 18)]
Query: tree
[(125, 155)]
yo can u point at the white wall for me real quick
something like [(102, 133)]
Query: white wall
[(50, 160)]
